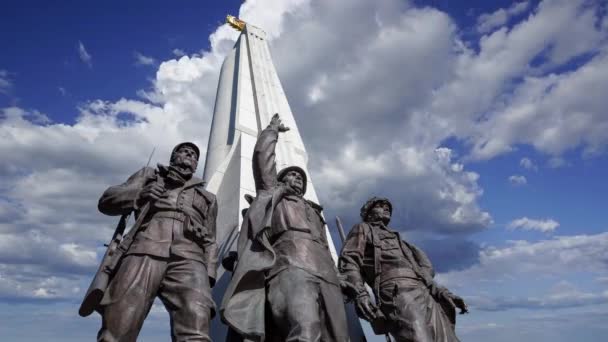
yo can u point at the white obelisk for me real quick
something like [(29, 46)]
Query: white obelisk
[(248, 94)]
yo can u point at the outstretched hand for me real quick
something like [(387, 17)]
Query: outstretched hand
[(277, 125)]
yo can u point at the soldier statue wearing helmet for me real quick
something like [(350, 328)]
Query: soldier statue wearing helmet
[(173, 254), (409, 305), (285, 285)]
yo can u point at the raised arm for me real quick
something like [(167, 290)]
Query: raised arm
[(120, 199), (264, 157)]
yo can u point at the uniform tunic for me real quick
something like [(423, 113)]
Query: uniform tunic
[(164, 260), (400, 275), (298, 236)]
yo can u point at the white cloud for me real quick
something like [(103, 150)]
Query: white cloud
[(178, 52), (557, 162), (545, 226), (53, 173), (528, 164), (430, 177), (271, 15), (552, 258), (406, 105), (562, 295), (26, 283), (524, 285), (489, 21), (518, 180), (5, 82), (517, 88), (85, 57), (554, 112), (143, 60), (396, 152)]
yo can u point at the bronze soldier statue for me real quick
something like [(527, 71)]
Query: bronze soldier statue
[(410, 305), (285, 284), (173, 254)]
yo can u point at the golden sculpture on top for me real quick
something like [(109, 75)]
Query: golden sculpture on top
[(235, 22)]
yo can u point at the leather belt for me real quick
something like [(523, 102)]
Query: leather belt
[(397, 273), (176, 215)]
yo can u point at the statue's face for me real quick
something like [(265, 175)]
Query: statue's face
[(294, 180), (380, 212), (185, 158)]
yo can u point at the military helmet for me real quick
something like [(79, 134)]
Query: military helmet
[(189, 144), (371, 203), (298, 169)]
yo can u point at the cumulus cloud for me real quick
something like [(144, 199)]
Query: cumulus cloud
[(545, 226), (518, 180), (85, 57), (54, 173), (143, 60), (389, 141), (394, 152), (26, 284), (516, 88), (552, 111), (488, 21), (528, 164), (552, 258), (35, 247), (408, 177), (549, 279)]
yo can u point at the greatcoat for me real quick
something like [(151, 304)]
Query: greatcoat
[(273, 215)]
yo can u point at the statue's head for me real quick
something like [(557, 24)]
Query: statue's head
[(295, 178), (377, 209), (185, 157)]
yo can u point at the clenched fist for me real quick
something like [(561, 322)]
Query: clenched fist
[(150, 192)]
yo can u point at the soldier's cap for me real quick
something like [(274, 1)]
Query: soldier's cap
[(371, 203), (299, 170), (187, 143)]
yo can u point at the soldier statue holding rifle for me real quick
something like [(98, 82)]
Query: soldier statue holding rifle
[(170, 252), (409, 304)]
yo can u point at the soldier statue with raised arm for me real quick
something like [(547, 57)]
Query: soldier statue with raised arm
[(285, 284)]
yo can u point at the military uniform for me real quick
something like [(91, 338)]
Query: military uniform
[(165, 259), (285, 271), (401, 276)]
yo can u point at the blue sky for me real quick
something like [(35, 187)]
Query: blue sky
[(484, 123)]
